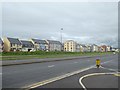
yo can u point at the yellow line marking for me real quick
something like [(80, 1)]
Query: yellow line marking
[(118, 74), (38, 84), (56, 78)]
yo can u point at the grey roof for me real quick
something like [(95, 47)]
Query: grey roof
[(94, 45), (1, 42), (54, 42), (14, 41), (27, 44), (82, 45), (39, 41)]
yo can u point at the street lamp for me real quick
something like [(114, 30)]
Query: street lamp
[(61, 39), (61, 35)]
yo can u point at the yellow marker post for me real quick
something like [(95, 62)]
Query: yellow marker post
[(98, 63)]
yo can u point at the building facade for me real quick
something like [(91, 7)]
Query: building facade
[(27, 46), (70, 46), (1, 45), (54, 45), (108, 48), (94, 48), (12, 44), (40, 44), (104, 48)]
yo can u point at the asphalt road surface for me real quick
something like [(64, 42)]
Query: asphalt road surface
[(20, 76)]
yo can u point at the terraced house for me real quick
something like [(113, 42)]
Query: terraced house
[(27, 46), (54, 45), (1, 45), (40, 44), (12, 44), (94, 48)]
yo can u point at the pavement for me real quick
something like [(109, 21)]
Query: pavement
[(19, 76), (31, 61)]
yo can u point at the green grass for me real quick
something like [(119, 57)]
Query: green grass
[(42, 54)]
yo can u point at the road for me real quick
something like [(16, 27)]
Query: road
[(19, 76)]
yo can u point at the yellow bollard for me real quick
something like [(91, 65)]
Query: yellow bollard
[(98, 63)]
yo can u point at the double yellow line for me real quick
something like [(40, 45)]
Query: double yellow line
[(118, 74)]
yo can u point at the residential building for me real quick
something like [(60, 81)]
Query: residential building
[(85, 49), (104, 48), (94, 48), (70, 46), (108, 48), (81, 48), (27, 46), (89, 48), (12, 44), (40, 44), (54, 45), (100, 49), (1, 45), (77, 47)]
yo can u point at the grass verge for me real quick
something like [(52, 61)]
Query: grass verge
[(41, 55)]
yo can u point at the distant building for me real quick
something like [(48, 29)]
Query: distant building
[(40, 44), (89, 48), (54, 45), (27, 46), (70, 46), (104, 48), (77, 47), (100, 49), (94, 48), (81, 48), (108, 48), (1, 45), (85, 49), (12, 44)]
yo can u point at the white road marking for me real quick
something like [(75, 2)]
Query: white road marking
[(0, 73), (115, 70), (51, 66), (75, 62), (93, 74), (56, 78), (38, 84)]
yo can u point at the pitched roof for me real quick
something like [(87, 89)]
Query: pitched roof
[(39, 41), (1, 42), (54, 42), (14, 41), (27, 44)]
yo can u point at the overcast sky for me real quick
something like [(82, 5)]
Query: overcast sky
[(86, 23)]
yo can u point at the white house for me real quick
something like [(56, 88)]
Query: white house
[(94, 48), (54, 45), (77, 47), (40, 44), (27, 46)]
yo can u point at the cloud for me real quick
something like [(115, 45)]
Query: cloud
[(84, 22)]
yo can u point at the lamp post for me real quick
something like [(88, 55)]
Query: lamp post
[(61, 39), (61, 34)]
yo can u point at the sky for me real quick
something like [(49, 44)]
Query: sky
[(84, 22)]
